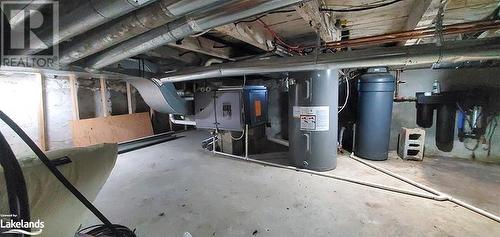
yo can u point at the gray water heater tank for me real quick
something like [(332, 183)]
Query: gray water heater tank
[(313, 106), (373, 127)]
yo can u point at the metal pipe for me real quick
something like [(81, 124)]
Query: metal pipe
[(246, 140), (408, 56), (28, 10), (89, 14), (475, 26), (130, 25), (181, 28), (181, 122)]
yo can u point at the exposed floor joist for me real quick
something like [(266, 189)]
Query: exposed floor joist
[(422, 14), (418, 9), (176, 54), (204, 46), (309, 11), (252, 33)]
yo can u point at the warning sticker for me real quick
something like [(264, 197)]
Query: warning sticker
[(308, 122), (313, 118)]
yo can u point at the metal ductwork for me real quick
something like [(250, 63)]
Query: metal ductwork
[(455, 53), (28, 10), (90, 14), (128, 26), (162, 98), (178, 29)]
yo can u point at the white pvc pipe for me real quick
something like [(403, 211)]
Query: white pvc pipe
[(351, 180), (438, 196), (444, 196), (397, 176), (278, 141), (181, 122), (271, 138)]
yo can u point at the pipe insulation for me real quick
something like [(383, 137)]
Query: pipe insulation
[(407, 56), (130, 25), (436, 195), (183, 27)]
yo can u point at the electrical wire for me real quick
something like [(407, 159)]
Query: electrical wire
[(53, 169), (266, 14), (239, 138), (347, 94), (295, 48), (361, 8), (104, 231), (492, 132), (17, 195)]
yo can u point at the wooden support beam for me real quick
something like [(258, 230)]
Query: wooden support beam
[(104, 100), (129, 98), (422, 14), (175, 54), (249, 32), (73, 87), (417, 11), (309, 11), (42, 125), (204, 46)]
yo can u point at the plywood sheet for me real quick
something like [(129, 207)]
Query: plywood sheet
[(111, 129)]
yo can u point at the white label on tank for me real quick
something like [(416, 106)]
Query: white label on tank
[(313, 118)]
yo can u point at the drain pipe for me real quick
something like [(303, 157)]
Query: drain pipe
[(128, 26), (443, 196), (185, 121), (274, 139), (89, 14), (436, 195), (181, 28), (346, 179)]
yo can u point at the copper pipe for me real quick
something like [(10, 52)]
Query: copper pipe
[(460, 28)]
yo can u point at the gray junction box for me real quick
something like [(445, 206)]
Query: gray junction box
[(231, 108)]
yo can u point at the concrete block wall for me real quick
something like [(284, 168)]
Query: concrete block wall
[(404, 114)]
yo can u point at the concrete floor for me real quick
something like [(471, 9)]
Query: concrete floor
[(176, 187)]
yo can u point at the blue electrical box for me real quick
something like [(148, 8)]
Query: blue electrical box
[(255, 99)]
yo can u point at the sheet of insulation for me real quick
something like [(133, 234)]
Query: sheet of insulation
[(49, 200)]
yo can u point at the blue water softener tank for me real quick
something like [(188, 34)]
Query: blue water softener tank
[(375, 97)]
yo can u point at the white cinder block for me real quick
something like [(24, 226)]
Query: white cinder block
[(411, 143)]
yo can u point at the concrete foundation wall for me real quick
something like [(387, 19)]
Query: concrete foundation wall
[(404, 114)]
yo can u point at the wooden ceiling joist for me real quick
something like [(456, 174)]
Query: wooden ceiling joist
[(204, 46), (252, 33), (309, 11)]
